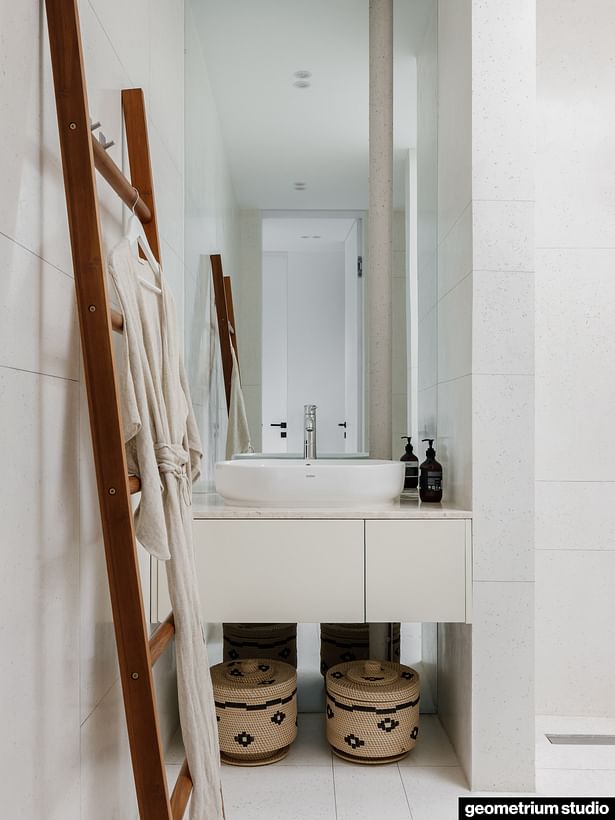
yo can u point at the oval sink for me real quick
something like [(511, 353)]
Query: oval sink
[(345, 483)]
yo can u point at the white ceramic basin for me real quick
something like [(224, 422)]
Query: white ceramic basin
[(346, 483)]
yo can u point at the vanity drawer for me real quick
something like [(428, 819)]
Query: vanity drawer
[(415, 571), (280, 570)]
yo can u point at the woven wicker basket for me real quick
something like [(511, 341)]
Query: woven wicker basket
[(274, 641), (256, 707), (341, 643), (372, 710)]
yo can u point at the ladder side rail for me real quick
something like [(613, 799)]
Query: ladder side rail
[(104, 411), (223, 326)]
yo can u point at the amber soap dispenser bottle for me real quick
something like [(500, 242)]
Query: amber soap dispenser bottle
[(430, 483), (411, 481)]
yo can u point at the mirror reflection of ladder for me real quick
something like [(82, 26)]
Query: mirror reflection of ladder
[(227, 328), (81, 155)]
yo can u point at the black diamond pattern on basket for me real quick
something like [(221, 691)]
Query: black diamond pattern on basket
[(372, 678), (264, 667), (388, 724), (278, 718), (407, 675), (244, 739), (414, 733), (330, 712), (218, 718), (266, 682), (284, 653), (236, 673), (233, 654), (354, 742), (337, 674)]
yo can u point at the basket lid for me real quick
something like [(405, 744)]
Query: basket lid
[(373, 681), (253, 679)]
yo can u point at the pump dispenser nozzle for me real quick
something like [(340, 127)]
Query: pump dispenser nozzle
[(431, 453)]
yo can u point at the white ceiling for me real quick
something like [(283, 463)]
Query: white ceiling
[(305, 234), (276, 134)]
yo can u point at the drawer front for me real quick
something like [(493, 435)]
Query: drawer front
[(415, 571), (280, 570)]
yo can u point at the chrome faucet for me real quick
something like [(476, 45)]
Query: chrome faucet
[(309, 431)]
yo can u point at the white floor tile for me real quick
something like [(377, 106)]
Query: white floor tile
[(433, 748), (370, 792), (432, 791), (278, 793), (311, 747)]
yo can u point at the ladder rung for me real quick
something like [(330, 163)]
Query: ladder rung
[(116, 179), (134, 484), (117, 321), (181, 792), (161, 638)]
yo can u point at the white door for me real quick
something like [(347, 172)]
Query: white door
[(274, 351), (353, 330)]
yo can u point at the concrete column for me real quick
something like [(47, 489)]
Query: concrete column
[(380, 225)]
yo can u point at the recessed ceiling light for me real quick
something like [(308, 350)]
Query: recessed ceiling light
[(302, 75), (301, 84), (299, 186), (305, 237), (315, 237)]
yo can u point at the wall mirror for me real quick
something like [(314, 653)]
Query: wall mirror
[(289, 83), (277, 182)]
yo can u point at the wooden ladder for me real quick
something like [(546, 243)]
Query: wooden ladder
[(81, 155)]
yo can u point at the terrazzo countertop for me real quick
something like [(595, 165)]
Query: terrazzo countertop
[(211, 505)]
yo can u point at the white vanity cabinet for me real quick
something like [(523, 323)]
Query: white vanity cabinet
[(261, 566)]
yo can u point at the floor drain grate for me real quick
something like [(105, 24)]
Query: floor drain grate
[(582, 740)]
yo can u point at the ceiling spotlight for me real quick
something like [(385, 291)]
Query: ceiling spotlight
[(302, 75), (299, 186), (315, 237), (301, 84), (305, 237)]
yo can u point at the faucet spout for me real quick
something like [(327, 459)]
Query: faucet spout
[(309, 431)]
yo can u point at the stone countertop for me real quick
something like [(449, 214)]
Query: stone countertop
[(211, 505)]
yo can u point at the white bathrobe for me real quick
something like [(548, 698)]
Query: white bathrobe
[(163, 448)]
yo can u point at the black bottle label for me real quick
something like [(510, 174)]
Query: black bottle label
[(412, 469)]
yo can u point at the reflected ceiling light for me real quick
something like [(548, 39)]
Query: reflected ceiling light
[(315, 237), (301, 84), (305, 237), (302, 75), (299, 186)]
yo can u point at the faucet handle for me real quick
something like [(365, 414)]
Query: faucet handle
[(309, 408)]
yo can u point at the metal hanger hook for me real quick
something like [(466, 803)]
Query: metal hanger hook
[(134, 204)]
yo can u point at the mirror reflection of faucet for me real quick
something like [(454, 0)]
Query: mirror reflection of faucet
[(309, 431)]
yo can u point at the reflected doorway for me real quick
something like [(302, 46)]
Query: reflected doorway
[(312, 330)]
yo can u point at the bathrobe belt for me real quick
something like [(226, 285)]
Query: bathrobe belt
[(174, 459)]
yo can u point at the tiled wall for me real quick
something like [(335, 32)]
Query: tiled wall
[(482, 300), (64, 749), (575, 357)]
